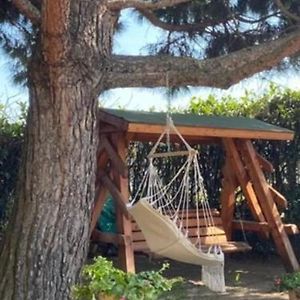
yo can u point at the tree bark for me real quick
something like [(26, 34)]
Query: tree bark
[(46, 243), (220, 72)]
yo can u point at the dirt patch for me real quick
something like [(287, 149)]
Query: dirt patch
[(247, 276)]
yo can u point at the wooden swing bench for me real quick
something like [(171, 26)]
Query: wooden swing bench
[(210, 234), (243, 168)]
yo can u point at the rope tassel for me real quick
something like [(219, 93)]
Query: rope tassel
[(213, 275)]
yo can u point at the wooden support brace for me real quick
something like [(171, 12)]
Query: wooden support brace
[(98, 206), (117, 162), (253, 226), (237, 166), (264, 163), (116, 194), (278, 198), (269, 208), (229, 184)]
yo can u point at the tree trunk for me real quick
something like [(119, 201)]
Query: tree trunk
[(46, 243), (49, 238)]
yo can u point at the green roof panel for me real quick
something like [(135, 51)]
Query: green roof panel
[(194, 120)]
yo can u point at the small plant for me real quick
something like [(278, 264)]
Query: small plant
[(101, 279), (288, 282), (291, 283)]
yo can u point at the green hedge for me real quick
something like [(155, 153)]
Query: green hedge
[(278, 107), (11, 140)]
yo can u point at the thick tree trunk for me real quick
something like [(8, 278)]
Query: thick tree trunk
[(47, 241), (49, 238)]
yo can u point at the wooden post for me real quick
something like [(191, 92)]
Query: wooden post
[(101, 192), (237, 166), (126, 251), (229, 185), (269, 208), (98, 206)]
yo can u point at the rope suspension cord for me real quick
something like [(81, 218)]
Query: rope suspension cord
[(161, 209)]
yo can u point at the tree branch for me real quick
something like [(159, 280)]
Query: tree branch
[(221, 72), (28, 10), (140, 4), (153, 19), (286, 12)]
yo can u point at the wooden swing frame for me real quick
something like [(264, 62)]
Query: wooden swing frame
[(243, 168)]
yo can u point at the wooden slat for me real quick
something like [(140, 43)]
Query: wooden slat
[(231, 247), (227, 247), (192, 232), (264, 163), (192, 222), (268, 205), (212, 132), (192, 140), (169, 154), (278, 198), (253, 226)]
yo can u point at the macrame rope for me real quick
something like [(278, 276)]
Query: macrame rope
[(173, 198)]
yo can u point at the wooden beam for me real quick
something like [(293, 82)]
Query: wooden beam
[(114, 191), (153, 137), (269, 207), (126, 252), (237, 166), (212, 132), (115, 121), (169, 154), (117, 162), (227, 198), (264, 163), (98, 206), (253, 226), (278, 198), (108, 128)]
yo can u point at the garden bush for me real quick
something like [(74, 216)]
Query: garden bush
[(11, 141)]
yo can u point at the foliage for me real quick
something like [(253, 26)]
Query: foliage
[(11, 141), (212, 28), (276, 106), (287, 282), (102, 277)]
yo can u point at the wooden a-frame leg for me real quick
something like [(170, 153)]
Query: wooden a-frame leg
[(101, 191), (126, 251), (229, 185), (269, 207), (237, 165), (98, 206)]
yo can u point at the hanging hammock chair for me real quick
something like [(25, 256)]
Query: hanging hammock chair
[(161, 209)]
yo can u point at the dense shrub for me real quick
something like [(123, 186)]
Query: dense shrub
[(278, 107), (11, 140)]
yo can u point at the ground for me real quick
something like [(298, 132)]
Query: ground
[(248, 276)]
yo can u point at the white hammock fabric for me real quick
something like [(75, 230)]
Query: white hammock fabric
[(159, 209)]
